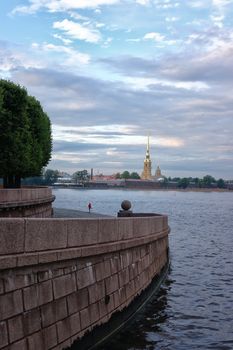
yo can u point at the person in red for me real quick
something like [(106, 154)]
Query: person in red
[(89, 207)]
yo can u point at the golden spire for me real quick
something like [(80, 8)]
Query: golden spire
[(148, 147), (146, 174)]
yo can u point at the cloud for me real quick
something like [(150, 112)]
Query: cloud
[(77, 16), (221, 3), (60, 5), (143, 2), (207, 59), (166, 4), (71, 5), (107, 42), (136, 40), (78, 31), (99, 25), (172, 19), (65, 41), (174, 80), (147, 84), (116, 134), (41, 56), (154, 36), (68, 56), (105, 144), (188, 127), (217, 20), (13, 56), (199, 3), (217, 4)]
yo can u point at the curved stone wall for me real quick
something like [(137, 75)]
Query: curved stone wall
[(60, 278), (26, 202)]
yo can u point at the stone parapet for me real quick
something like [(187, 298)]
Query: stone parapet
[(26, 202), (60, 278)]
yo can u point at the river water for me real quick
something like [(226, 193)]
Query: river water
[(194, 307)]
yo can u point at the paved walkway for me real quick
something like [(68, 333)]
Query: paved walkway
[(70, 213)]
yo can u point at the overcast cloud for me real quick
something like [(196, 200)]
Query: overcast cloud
[(109, 72)]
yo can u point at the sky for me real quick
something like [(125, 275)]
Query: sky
[(110, 72)]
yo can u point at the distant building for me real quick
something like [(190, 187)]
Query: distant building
[(102, 177), (62, 174), (62, 180), (146, 174), (64, 177), (147, 168), (158, 173)]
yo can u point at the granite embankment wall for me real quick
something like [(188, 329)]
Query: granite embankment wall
[(26, 202), (60, 278)]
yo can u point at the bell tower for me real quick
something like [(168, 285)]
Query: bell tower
[(146, 174), (158, 172)]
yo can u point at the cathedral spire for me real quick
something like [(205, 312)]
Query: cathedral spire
[(146, 174), (148, 147)]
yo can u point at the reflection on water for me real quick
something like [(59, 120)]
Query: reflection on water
[(194, 307), (154, 315)]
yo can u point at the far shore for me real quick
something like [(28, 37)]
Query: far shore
[(149, 189), (184, 189)]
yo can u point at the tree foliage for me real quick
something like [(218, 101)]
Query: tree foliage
[(127, 175), (221, 183), (134, 175), (50, 176), (25, 130), (208, 180), (183, 183), (81, 176)]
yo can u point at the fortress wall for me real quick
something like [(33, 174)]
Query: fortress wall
[(60, 278)]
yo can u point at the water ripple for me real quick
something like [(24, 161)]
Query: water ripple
[(194, 307)]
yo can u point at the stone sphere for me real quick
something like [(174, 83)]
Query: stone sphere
[(126, 205)]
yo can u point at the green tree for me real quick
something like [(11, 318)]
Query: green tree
[(208, 180), (81, 176), (221, 183), (50, 176), (165, 180), (196, 180), (25, 142), (134, 175), (118, 176), (41, 131), (183, 183), (125, 175), (176, 179)]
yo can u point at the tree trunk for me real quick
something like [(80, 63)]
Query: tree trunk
[(17, 181), (10, 181), (4, 181)]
